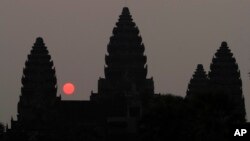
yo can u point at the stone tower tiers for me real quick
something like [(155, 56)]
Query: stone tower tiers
[(39, 85), (126, 69), (225, 83), (198, 85)]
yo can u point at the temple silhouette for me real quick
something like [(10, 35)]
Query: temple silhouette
[(125, 106)]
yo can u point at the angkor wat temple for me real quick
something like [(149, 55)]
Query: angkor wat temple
[(126, 106)]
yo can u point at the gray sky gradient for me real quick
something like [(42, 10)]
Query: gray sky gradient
[(178, 35)]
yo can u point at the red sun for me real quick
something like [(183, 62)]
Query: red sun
[(68, 88)]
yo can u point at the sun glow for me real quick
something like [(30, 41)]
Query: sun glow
[(68, 88)]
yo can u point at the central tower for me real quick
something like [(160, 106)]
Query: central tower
[(125, 90), (126, 69)]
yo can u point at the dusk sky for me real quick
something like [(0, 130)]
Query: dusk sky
[(178, 35)]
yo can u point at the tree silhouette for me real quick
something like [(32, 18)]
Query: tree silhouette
[(167, 117), (1, 131)]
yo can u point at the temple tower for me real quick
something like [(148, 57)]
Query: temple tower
[(125, 89), (39, 87), (126, 69), (226, 85), (198, 85)]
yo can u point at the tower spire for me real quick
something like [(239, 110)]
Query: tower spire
[(126, 68), (39, 83), (226, 85), (198, 84), (126, 50)]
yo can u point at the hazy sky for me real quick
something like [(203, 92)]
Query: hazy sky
[(178, 35)]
